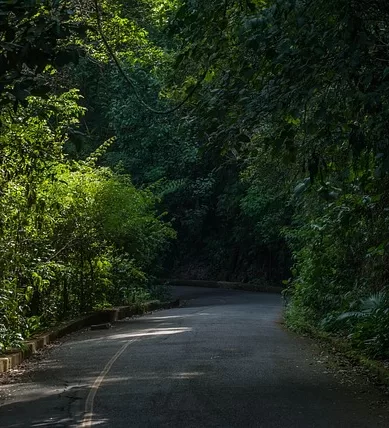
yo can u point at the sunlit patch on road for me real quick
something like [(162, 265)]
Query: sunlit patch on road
[(151, 332)]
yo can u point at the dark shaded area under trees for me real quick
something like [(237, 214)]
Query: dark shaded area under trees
[(274, 168)]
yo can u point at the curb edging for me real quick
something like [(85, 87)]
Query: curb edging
[(31, 346)]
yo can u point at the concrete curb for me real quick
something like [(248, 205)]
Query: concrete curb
[(224, 284), (12, 359)]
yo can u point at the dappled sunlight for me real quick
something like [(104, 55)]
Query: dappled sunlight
[(151, 332), (168, 317), (39, 408), (98, 422), (89, 420), (64, 422), (147, 376), (133, 333), (34, 394), (187, 375)]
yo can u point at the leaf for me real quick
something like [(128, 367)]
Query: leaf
[(301, 187)]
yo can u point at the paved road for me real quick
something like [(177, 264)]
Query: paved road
[(222, 360)]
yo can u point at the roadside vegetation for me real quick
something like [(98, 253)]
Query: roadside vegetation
[(228, 140)]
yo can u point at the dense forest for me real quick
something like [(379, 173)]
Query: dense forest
[(242, 140)]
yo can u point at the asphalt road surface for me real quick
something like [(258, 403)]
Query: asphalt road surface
[(222, 360)]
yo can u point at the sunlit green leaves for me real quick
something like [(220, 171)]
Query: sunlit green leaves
[(65, 224)]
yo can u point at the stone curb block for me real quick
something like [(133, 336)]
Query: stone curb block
[(224, 285), (10, 360)]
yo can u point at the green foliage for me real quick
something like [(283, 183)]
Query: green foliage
[(199, 186), (73, 236), (34, 39), (366, 324), (277, 166), (340, 257), (307, 83)]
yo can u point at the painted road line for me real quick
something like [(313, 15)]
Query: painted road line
[(88, 411)]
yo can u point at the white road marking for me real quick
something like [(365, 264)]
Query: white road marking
[(88, 413)]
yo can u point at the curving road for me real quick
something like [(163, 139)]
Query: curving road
[(222, 360)]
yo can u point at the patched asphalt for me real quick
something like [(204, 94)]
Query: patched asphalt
[(222, 360)]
